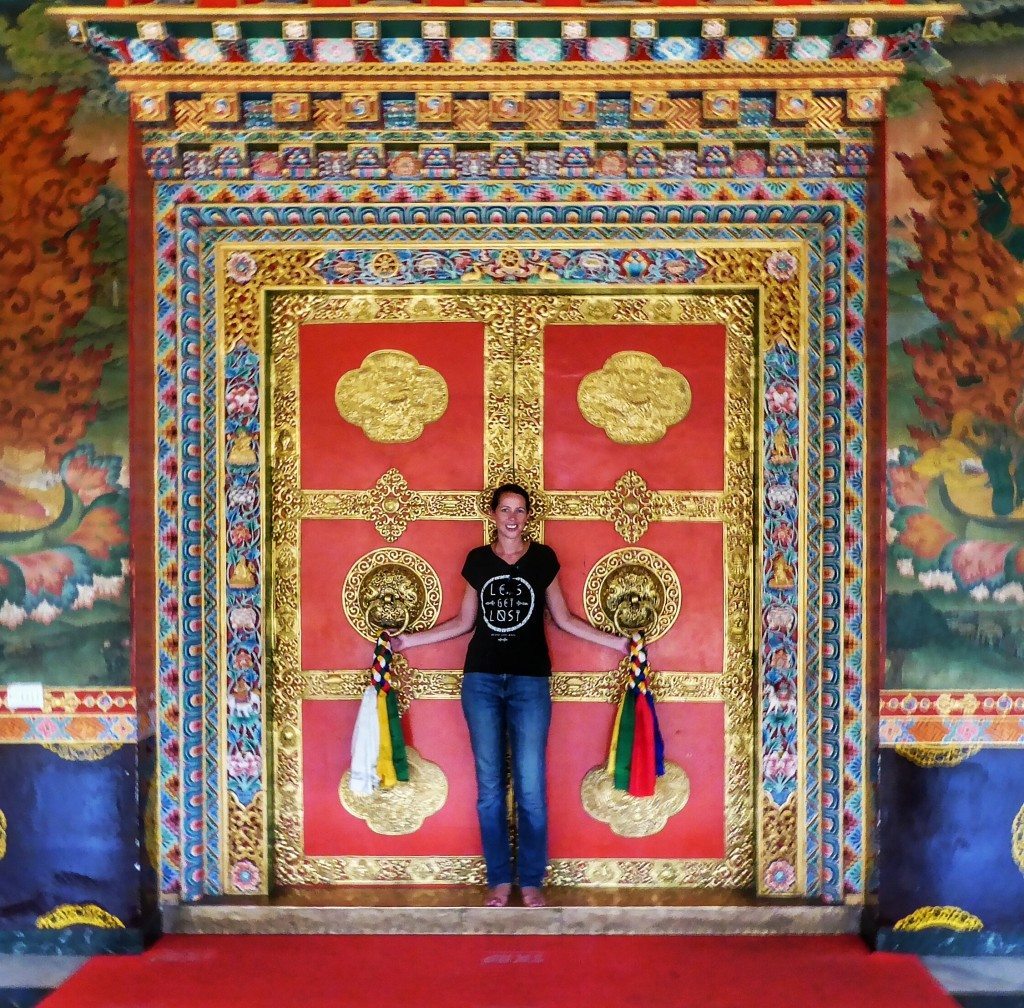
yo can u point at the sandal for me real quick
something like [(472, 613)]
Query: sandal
[(533, 897), (497, 896)]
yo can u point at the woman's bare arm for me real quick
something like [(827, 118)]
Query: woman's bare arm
[(571, 624), (454, 627)]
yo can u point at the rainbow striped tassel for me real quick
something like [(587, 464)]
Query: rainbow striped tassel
[(636, 756), (392, 761)]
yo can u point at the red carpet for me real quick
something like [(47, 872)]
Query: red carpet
[(494, 971)]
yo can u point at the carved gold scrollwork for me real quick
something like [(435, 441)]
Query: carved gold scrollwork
[(634, 399), (627, 815), (633, 589), (391, 397), (82, 753), (390, 589), (402, 809)]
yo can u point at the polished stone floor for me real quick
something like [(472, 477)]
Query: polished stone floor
[(975, 982)]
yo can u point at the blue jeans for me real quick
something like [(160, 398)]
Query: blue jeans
[(509, 713)]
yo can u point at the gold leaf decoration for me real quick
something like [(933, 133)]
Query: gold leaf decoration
[(3, 835), (402, 809), (70, 914), (633, 398), (949, 917), (391, 397), (627, 815), (932, 754)]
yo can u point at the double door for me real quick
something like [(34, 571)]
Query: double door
[(628, 416)]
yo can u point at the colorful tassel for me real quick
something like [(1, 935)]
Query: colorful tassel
[(636, 756)]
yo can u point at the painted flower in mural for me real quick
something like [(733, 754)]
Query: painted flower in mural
[(89, 559), (241, 267), (779, 876), (781, 266)]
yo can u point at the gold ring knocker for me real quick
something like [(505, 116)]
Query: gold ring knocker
[(632, 590), (390, 589)]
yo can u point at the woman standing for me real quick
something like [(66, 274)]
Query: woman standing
[(506, 694)]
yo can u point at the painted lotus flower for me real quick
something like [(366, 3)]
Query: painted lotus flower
[(241, 267), (245, 876), (780, 876)]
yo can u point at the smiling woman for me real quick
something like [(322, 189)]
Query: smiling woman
[(506, 697)]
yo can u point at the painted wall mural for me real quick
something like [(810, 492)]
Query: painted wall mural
[(68, 878), (954, 686)]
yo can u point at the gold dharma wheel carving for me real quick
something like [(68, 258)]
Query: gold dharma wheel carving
[(633, 589), (391, 589)]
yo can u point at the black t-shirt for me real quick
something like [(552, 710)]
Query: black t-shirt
[(509, 634)]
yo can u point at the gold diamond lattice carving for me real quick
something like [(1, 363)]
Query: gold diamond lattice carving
[(391, 397), (633, 398)]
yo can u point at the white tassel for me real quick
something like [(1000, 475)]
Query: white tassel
[(364, 779)]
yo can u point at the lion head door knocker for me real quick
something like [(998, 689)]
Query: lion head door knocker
[(389, 786), (634, 592)]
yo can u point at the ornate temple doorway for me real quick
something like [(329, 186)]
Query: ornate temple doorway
[(630, 418)]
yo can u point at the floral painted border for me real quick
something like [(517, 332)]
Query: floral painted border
[(303, 216)]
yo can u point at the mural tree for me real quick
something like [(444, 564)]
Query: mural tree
[(972, 278), (47, 277)]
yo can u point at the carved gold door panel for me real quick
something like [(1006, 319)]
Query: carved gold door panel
[(629, 416)]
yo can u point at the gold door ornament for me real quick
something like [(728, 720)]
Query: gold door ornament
[(627, 815), (634, 399), (391, 397), (401, 809), (633, 589), (390, 589)]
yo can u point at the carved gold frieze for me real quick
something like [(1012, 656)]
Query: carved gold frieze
[(402, 809), (576, 687), (390, 589), (633, 398), (633, 589), (950, 918), (70, 914), (628, 816), (391, 397)]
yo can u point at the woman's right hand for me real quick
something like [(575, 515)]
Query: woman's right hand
[(398, 642)]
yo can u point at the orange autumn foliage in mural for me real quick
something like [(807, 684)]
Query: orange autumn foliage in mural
[(47, 278), (971, 273)]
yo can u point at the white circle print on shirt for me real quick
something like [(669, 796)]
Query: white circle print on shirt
[(507, 602)]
